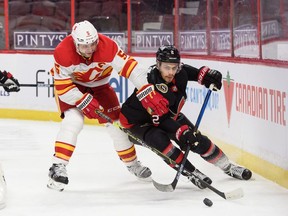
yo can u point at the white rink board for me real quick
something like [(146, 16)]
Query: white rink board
[(264, 135), (24, 67)]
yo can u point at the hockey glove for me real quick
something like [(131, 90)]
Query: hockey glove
[(152, 101), (185, 135), (10, 83), (88, 105), (206, 77)]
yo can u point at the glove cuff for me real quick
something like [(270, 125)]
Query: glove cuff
[(144, 91), (84, 101), (202, 73), (181, 130)]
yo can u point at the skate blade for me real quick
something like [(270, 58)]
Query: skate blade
[(55, 185)]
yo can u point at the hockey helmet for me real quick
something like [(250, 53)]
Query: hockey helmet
[(84, 33), (168, 53)]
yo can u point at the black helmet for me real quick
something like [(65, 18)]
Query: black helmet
[(168, 53)]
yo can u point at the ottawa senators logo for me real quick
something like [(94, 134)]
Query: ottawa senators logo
[(162, 87)]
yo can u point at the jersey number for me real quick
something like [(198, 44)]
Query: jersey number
[(155, 119), (121, 54)]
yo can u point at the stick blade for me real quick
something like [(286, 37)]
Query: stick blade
[(235, 194), (163, 187)]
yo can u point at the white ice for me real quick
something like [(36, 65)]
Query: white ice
[(101, 185)]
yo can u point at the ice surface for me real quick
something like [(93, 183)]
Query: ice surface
[(101, 185)]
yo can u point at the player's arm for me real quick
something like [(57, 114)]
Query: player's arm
[(204, 76), (68, 92), (182, 132), (207, 76), (151, 100), (126, 65), (10, 83)]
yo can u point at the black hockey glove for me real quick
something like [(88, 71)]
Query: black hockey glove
[(185, 135), (207, 76), (10, 83)]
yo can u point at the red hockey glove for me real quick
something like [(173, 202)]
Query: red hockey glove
[(89, 105), (10, 83), (152, 101), (185, 135), (206, 77)]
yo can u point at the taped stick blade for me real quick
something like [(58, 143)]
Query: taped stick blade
[(163, 187), (235, 194)]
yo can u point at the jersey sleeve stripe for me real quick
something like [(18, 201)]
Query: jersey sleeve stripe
[(64, 90), (63, 86), (62, 81), (128, 68)]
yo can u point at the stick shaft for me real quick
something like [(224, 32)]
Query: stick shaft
[(33, 85)]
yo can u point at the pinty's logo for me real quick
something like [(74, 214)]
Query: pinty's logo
[(228, 85)]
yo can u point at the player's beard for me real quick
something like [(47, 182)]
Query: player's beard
[(86, 55), (169, 79)]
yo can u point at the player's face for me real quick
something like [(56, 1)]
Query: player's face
[(168, 70), (87, 50)]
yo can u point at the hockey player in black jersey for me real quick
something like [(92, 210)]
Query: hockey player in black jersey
[(170, 77)]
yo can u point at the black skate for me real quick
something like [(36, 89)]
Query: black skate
[(199, 175), (238, 172)]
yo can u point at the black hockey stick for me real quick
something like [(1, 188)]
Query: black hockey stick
[(234, 194), (31, 85), (171, 187)]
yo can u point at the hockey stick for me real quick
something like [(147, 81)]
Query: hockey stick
[(234, 194), (171, 187), (31, 85)]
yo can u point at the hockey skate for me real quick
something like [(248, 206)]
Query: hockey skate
[(238, 172), (141, 172), (57, 177), (199, 175)]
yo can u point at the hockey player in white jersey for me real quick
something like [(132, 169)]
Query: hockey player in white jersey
[(84, 62)]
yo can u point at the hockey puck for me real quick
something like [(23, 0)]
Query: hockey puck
[(208, 202)]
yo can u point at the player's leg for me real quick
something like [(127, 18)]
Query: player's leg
[(65, 144), (213, 154), (125, 149), (160, 141)]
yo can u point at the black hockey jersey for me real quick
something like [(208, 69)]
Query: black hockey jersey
[(174, 92)]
